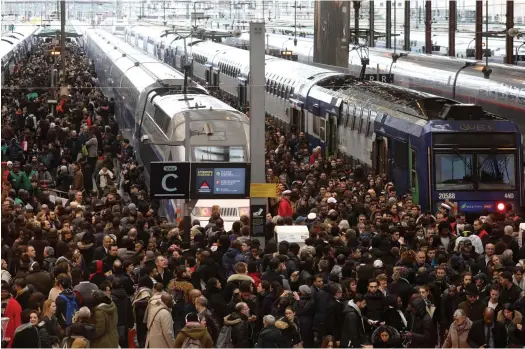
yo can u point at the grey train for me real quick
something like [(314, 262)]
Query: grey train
[(13, 46), (151, 94)]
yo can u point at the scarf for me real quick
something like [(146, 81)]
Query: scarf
[(462, 327)]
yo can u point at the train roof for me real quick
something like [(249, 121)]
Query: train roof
[(179, 103)]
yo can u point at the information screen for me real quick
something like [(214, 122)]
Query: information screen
[(220, 181)]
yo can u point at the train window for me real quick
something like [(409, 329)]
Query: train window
[(292, 91), (162, 120), (316, 125), (496, 171), (512, 94), (370, 128), (363, 124), (453, 171), (356, 117)]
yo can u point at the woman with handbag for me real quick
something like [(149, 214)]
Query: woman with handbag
[(290, 329)]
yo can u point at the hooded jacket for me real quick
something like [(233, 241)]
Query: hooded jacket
[(105, 318), (229, 259), (26, 336), (194, 330), (394, 340), (233, 282), (159, 324), (271, 337), (421, 326), (289, 330)]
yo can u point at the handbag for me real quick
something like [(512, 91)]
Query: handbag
[(132, 333)]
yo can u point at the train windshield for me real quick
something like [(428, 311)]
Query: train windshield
[(496, 171), (475, 171), (204, 153), (454, 171)]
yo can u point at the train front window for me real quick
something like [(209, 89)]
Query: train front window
[(496, 171), (219, 154), (453, 171)]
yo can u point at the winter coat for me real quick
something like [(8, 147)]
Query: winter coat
[(304, 311), (229, 259), (513, 334), (124, 311), (12, 311), (26, 336), (159, 324), (140, 303), (204, 272), (233, 282), (474, 311), (285, 208), (353, 332), (216, 302), (456, 338), (239, 324), (421, 326), (194, 331), (212, 324), (92, 147), (271, 337), (476, 336), (105, 318), (289, 330), (394, 340), (41, 281), (375, 305)]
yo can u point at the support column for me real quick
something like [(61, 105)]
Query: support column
[(357, 6), (428, 27), (452, 28), (479, 30), (389, 24), (509, 44), (257, 80), (407, 46), (371, 24), (63, 38)]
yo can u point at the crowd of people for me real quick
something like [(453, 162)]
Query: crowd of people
[(87, 261)]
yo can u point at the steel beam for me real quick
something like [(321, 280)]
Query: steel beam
[(452, 28), (371, 22), (479, 30), (406, 29), (509, 44), (428, 27), (389, 24)]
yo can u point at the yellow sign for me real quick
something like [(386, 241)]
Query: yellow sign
[(263, 190)]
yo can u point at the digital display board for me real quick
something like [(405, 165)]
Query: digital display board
[(220, 181)]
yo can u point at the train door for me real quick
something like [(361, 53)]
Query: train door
[(295, 119), (242, 94), (330, 134), (303, 121), (381, 155), (208, 76), (215, 79)]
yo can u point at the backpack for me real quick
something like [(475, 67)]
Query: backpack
[(191, 343), (49, 266), (71, 309), (225, 338)]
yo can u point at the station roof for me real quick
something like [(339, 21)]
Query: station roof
[(53, 31)]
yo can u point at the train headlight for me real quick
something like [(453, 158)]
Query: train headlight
[(500, 206)]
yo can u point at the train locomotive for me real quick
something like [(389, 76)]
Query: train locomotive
[(154, 108)]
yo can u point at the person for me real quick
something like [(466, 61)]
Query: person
[(81, 326), (422, 331), (328, 342), (66, 302), (458, 332), (12, 310), (487, 332), (238, 321), (105, 319), (512, 320), (353, 334), (473, 307), (29, 334), (194, 334), (270, 336), (124, 309), (386, 337), (159, 322), (290, 329), (51, 322), (212, 325)]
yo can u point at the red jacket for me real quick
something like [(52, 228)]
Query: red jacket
[(285, 208), (12, 311)]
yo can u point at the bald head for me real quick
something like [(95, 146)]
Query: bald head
[(488, 315), (194, 294), (167, 299)]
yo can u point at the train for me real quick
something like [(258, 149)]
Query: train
[(433, 147), (155, 108), (14, 45), (503, 93)]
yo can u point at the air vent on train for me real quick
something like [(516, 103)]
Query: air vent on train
[(461, 112), (229, 212)]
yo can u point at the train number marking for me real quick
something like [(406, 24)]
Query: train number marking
[(444, 196), (509, 196)]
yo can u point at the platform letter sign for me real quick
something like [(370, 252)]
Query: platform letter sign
[(170, 180)]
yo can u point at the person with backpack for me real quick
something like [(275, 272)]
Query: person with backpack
[(159, 322), (67, 304), (194, 334)]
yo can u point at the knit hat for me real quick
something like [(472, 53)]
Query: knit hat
[(303, 289)]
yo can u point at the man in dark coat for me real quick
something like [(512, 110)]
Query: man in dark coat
[(375, 301), (238, 320), (422, 331), (41, 280), (124, 310), (473, 306), (487, 332), (510, 292), (402, 287), (271, 336), (206, 270), (353, 332)]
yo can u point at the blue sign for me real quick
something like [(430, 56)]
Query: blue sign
[(476, 206), (216, 181)]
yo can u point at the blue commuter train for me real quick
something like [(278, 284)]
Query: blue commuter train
[(433, 147)]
